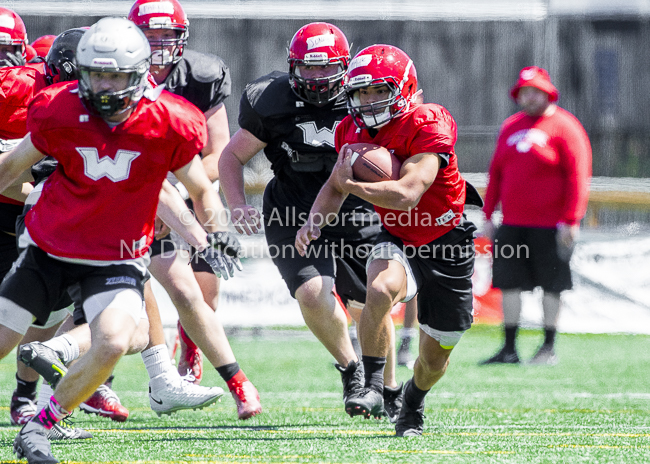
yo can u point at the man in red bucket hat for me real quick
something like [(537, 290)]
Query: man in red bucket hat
[(540, 174)]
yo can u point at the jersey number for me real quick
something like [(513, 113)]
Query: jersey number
[(116, 170)]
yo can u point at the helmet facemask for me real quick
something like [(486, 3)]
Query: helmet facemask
[(378, 113), (106, 104), (317, 91), (165, 52)]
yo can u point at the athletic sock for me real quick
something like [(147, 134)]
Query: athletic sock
[(50, 414), (408, 332), (186, 338), (25, 389), (236, 379), (228, 371), (156, 360), (66, 346), (511, 335), (413, 395), (44, 395), (549, 336), (373, 370)]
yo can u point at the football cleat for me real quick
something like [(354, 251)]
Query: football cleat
[(352, 378), (65, 430), (44, 360), (169, 393), (32, 443), (393, 398), (191, 358), (410, 422), (105, 403), (366, 403), (21, 410), (247, 399), (545, 356), (502, 357)]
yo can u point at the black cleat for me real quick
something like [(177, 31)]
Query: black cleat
[(410, 422), (43, 360), (393, 398), (32, 444), (366, 403), (352, 378), (502, 357)]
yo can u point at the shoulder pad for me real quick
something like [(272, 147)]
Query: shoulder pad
[(204, 67), (271, 94)]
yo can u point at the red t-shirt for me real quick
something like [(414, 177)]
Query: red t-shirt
[(18, 85), (427, 128), (101, 201), (540, 171)]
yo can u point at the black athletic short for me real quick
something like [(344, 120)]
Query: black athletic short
[(443, 272), (38, 282), (526, 257), (343, 260), (8, 253)]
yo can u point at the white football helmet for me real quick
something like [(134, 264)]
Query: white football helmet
[(113, 45)]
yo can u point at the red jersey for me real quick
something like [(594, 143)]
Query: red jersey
[(101, 201), (18, 85), (427, 128), (540, 171)]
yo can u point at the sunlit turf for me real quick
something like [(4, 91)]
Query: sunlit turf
[(593, 407)]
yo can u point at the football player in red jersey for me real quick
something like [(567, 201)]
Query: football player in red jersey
[(426, 246), (176, 393), (204, 80), (13, 39), (292, 117), (93, 223)]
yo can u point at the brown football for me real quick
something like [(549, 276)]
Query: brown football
[(373, 163)]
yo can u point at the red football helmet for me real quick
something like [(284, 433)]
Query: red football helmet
[(378, 65), (12, 32), (42, 44), (162, 14), (318, 44)]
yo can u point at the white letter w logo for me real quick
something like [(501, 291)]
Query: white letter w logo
[(116, 170), (318, 137)]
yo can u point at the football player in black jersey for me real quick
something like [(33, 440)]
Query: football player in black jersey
[(204, 80), (292, 117)]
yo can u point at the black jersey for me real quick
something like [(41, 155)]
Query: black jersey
[(202, 79), (300, 147)]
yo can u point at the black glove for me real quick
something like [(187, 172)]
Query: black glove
[(12, 59), (223, 254)]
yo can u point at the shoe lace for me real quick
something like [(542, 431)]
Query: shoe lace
[(108, 394), (189, 377)]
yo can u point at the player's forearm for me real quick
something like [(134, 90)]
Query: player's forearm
[(232, 179), (174, 212), (388, 194), (327, 205), (211, 213)]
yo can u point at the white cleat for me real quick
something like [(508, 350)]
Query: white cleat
[(170, 392)]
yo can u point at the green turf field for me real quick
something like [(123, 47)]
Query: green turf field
[(593, 407)]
